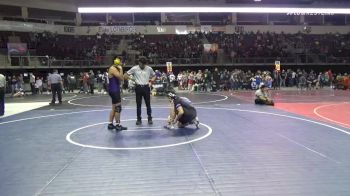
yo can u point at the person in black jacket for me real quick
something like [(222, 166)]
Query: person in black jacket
[(216, 79)]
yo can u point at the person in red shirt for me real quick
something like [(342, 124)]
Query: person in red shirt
[(85, 82), (330, 76)]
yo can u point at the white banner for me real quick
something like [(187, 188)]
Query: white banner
[(180, 30), (117, 29), (206, 28)]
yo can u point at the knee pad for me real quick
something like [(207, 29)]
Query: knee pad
[(118, 108)]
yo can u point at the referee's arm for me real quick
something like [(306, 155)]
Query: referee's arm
[(129, 73), (153, 76)]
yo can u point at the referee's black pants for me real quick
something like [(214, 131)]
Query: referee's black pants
[(56, 89), (145, 92), (2, 101)]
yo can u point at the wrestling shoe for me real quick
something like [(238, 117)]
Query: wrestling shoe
[(196, 122), (110, 126), (120, 128), (169, 127)]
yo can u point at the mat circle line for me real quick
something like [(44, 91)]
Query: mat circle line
[(87, 105), (68, 138), (209, 108), (331, 120)]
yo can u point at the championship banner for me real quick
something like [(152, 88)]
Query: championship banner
[(17, 48), (278, 65), (117, 29), (169, 67)]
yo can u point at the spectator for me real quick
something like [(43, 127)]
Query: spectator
[(99, 81), (55, 84), (85, 80), (261, 96), (2, 94), (71, 80), (91, 81), (39, 86), (32, 83)]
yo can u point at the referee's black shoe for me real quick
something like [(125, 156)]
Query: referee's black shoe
[(150, 122), (138, 122)]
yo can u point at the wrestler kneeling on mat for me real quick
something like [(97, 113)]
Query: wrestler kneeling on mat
[(262, 97), (182, 113), (115, 75)]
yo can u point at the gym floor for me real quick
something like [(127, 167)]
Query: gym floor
[(298, 147)]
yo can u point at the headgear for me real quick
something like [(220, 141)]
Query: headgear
[(171, 95), (117, 61)]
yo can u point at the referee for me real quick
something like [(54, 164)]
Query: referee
[(55, 83), (2, 94), (142, 75)]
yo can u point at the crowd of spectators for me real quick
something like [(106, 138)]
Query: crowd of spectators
[(237, 79), (165, 47), (259, 45), (207, 80), (190, 47), (70, 47), (64, 47), (37, 83)]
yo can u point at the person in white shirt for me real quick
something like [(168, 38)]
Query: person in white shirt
[(262, 97), (39, 85), (143, 75), (179, 80), (172, 79)]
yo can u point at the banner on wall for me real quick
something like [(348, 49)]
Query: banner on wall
[(169, 66), (17, 48), (69, 29), (206, 28), (117, 29), (181, 30), (239, 29), (218, 28), (161, 29), (278, 65)]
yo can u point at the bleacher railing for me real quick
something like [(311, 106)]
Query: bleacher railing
[(44, 62)]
